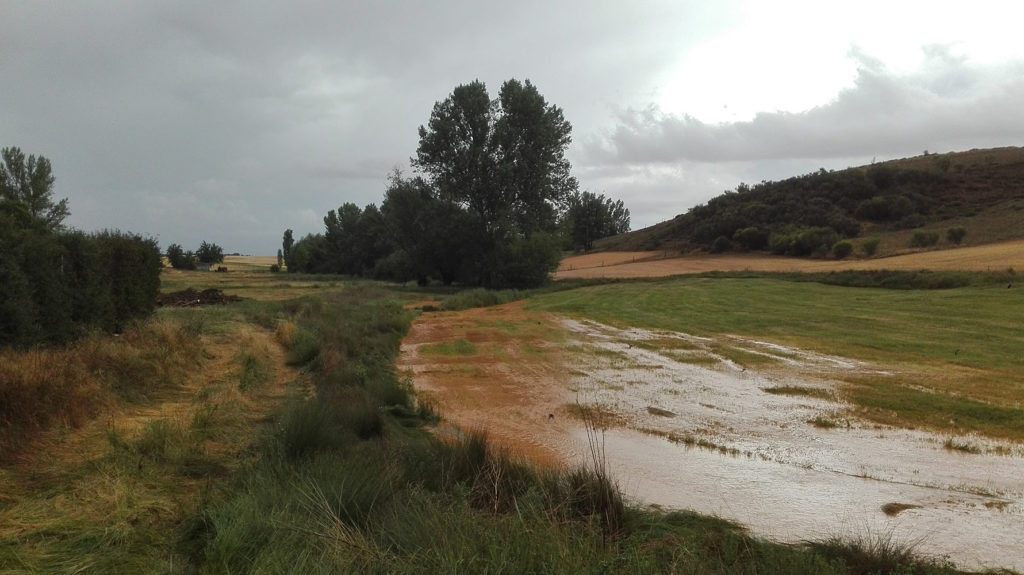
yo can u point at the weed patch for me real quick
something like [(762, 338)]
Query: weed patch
[(459, 347), (800, 391)]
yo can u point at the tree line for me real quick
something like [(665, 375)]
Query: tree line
[(180, 259), (493, 201), (56, 284)]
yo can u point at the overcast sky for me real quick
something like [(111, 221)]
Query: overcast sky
[(231, 121)]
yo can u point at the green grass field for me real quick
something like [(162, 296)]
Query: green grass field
[(965, 343)]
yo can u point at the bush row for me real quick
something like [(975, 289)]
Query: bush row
[(56, 286)]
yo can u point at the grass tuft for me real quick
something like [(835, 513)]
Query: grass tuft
[(800, 390), (954, 444)]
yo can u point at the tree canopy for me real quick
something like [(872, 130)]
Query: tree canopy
[(486, 208), (502, 159), (26, 190)]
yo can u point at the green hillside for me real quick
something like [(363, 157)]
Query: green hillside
[(905, 203)]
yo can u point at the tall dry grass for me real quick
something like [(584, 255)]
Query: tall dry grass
[(45, 388)]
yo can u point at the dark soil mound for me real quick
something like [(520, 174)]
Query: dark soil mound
[(192, 298)]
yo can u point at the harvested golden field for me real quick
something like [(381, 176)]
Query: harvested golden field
[(992, 257)]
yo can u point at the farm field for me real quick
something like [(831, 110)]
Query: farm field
[(991, 257)]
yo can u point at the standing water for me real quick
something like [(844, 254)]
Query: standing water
[(703, 434)]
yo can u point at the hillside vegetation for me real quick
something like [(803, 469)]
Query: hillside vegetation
[(934, 199)]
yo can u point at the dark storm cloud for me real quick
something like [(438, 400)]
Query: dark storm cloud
[(946, 105), (230, 121)]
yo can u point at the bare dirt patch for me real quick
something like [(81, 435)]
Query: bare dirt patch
[(503, 374), (992, 257)]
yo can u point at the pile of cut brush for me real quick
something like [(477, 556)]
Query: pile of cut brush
[(192, 298)]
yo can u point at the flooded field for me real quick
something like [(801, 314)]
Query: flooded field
[(702, 433), (771, 445)]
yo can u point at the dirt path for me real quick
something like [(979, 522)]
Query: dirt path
[(769, 443), (993, 257)]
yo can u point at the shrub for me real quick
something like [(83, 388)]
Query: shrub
[(526, 263), (721, 244), (780, 243), (911, 221), (274, 268), (56, 286), (956, 235), (810, 240), (842, 249), (870, 246), (310, 427), (923, 239), (751, 238), (303, 347)]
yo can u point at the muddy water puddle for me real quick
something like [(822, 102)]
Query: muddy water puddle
[(750, 431), (704, 434)]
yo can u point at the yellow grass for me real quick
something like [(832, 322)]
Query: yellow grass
[(126, 482), (992, 257)]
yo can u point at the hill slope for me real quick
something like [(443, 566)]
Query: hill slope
[(981, 191)]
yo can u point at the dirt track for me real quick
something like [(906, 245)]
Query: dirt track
[(993, 257)]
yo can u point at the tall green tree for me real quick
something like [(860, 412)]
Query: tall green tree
[(341, 237), (286, 245), (504, 161), (26, 190)]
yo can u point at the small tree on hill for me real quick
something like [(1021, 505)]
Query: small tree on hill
[(956, 235)]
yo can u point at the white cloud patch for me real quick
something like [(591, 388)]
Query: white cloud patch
[(946, 104)]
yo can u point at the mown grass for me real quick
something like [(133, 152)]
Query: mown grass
[(44, 388), (964, 343)]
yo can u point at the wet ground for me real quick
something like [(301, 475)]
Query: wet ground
[(766, 441)]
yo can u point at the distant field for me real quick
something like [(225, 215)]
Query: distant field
[(992, 257), (249, 262)]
